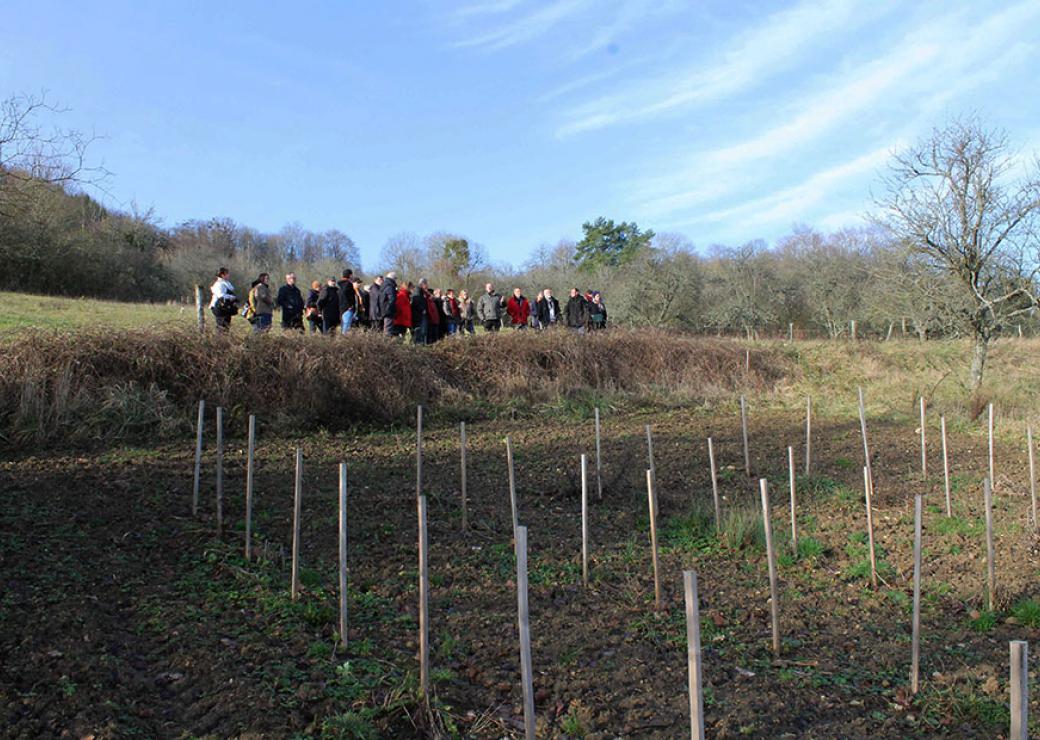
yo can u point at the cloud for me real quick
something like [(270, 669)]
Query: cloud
[(745, 62), (489, 8), (937, 60), (526, 27)]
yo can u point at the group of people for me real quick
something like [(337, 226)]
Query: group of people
[(337, 306)]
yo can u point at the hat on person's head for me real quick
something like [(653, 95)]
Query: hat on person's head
[(392, 275)]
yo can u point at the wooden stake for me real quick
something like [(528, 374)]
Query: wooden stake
[(343, 554), (946, 465), (791, 483), (693, 655), (868, 489), (790, 332), (808, 434), (992, 478), (774, 599), (915, 649), (418, 451), (525, 632), (747, 361), (462, 463), (250, 455), (743, 427), (714, 485), (512, 486), (653, 535), (599, 463), (294, 589), (220, 471), (863, 431), (650, 449), (852, 325), (200, 311), (1032, 473), (584, 522), (991, 578), (424, 603), (924, 449), (1019, 688), (198, 459)]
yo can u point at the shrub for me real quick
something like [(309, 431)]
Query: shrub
[(90, 386)]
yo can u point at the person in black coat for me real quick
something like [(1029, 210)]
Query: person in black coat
[(310, 307), (577, 312), (386, 303), (328, 304), (548, 310), (290, 300), (420, 313)]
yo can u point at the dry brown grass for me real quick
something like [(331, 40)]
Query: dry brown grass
[(137, 384)]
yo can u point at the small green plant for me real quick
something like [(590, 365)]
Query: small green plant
[(319, 649), (984, 622), (810, 548), (956, 525), (348, 725), (743, 529), (571, 724), (1027, 611)]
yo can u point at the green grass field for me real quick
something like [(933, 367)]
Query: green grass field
[(22, 311)]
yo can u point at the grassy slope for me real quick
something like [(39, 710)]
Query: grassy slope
[(22, 310)]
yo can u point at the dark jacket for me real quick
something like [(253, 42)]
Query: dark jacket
[(577, 312), (420, 308), (290, 300), (328, 304), (386, 300), (347, 296), (542, 311), (597, 316), (312, 302)]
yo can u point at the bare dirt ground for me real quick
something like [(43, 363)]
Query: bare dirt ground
[(121, 615)]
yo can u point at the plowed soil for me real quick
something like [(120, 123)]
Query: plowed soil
[(123, 615)]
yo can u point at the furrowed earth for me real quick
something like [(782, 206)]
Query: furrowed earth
[(122, 615)]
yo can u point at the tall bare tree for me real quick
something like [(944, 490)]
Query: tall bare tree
[(961, 200)]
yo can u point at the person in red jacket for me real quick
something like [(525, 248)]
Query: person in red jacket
[(519, 309), (403, 312)]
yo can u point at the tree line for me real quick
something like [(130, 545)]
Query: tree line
[(953, 249)]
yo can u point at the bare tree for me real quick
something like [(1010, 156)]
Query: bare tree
[(953, 199), (33, 155)]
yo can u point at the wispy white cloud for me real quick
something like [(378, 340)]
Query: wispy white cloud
[(489, 8), (526, 27), (776, 43), (936, 61)]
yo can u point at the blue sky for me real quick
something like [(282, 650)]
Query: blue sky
[(513, 121)]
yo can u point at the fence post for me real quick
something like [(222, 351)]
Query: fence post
[(946, 465), (198, 459), (991, 578), (250, 455), (808, 434), (343, 554), (512, 486), (523, 618), (743, 427), (794, 519), (924, 449), (693, 655), (915, 649), (418, 450), (424, 599), (1032, 473), (220, 471), (714, 485), (992, 478), (584, 521), (462, 463), (294, 584), (599, 463), (200, 312), (866, 445), (650, 449), (653, 535), (1019, 688), (774, 599), (868, 490)]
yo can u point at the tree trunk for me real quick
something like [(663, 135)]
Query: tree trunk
[(978, 360)]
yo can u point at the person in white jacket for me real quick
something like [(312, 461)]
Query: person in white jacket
[(223, 300)]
